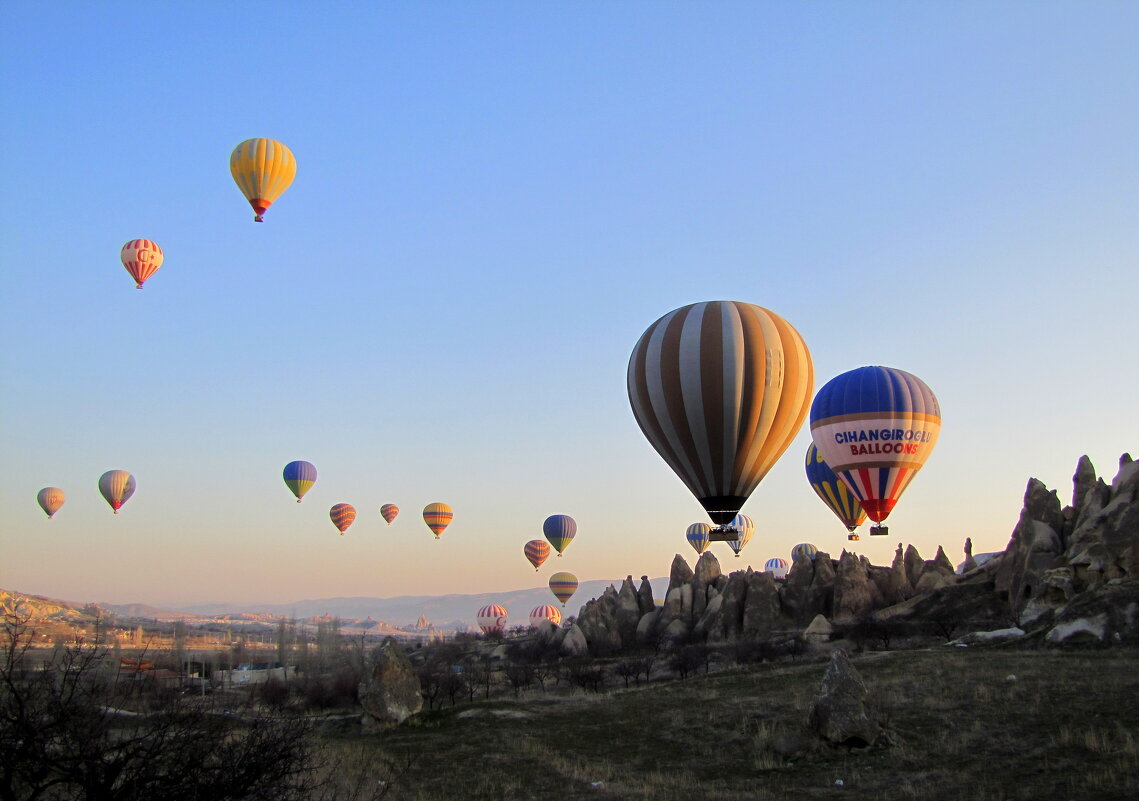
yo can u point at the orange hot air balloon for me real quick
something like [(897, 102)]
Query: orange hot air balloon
[(438, 516), (388, 512), (263, 170), (142, 258), (537, 551), (343, 515)]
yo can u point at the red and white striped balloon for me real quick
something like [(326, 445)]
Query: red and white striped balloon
[(545, 612), (492, 618), (142, 258)]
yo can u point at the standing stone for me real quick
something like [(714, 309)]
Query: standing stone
[(679, 575), (645, 596), (628, 612), (761, 613), (390, 694), (838, 714)]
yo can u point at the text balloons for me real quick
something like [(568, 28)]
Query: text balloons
[(299, 478), (537, 552), (438, 516), (50, 499), (492, 618), (832, 491), (720, 389), (343, 515), (875, 427), (563, 585), (142, 258), (388, 512), (116, 487), (263, 170), (560, 531), (699, 536)]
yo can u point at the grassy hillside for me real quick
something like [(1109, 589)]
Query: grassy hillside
[(968, 724)]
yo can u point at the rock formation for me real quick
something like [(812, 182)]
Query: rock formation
[(390, 694), (838, 714)]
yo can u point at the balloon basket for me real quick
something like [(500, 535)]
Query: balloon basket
[(723, 534), (879, 531), (853, 537)]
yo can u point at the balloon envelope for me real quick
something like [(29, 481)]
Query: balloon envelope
[(545, 612), (875, 427), (563, 585), (388, 512), (746, 528), (343, 515), (560, 531), (263, 170), (699, 536), (50, 499), (142, 258), (804, 550), (776, 566), (438, 516), (537, 552), (492, 618), (832, 491), (116, 487), (299, 478), (720, 389)]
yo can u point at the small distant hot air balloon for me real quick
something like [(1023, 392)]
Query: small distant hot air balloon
[(142, 258), (563, 585), (50, 499), (116, 486), (437, 516), (560, 531), (745, 527), (492, 618), (388, 512), (545, 612), (343, 515), (537, 552), (833, 492), (776, 566), (804, 550), (720, 389), (875, 427), (263, 170), (699, 536), (299, 477)]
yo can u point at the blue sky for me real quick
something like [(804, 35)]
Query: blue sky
[(493, 201)]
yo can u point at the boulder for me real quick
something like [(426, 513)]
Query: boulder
[(838, 713), (820, 630), (390, 694), (574, 642)]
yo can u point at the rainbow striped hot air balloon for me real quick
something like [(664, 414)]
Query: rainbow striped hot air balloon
[(388, 512), (142, 258), (116, 487), (804, 550), (563, 585), (437, 516), (776, 567), (545, 612), (537, 552), (745, 527), (263, 170), (299, 478), (875, 427), (343, 515), (699, 536), (560, 531), (492, 618), (50, 500), (833, 492)]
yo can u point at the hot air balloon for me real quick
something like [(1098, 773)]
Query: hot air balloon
[(745, 528), (50, 499), (804, 550), (875, 427), (699, 536), (388, 512), (263, 170), (545, 612), (299, 477), (720, 389), (537, 552), (116, 486), (776, 567), (142, 258), (343, 515), (560, 531), (437, 516), (833, 492), (492, 618), (563, 585)]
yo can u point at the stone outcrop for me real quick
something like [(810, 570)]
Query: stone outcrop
[(390, 694), (838, 714)]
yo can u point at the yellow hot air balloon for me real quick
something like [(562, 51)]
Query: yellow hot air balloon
[(263, 170), (437, 516), (720, 389)]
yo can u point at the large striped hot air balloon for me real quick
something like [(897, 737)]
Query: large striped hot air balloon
[(563, 585), (875, 427), (50, 499), (116, 487), (299, 478), (537, 552), (437, 516), (560, 531), (263, 170), (142, 258), (720, 389), (776, 567), (745, 527), (699, 536), (545, 612), (833, 492), (804, 550), (388, 512), (343, 515), (492, 618)]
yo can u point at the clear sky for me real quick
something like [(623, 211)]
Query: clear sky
[(493, 200)]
